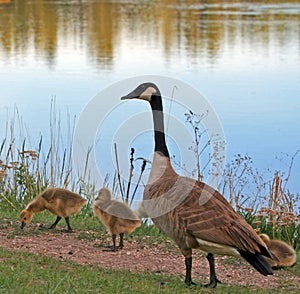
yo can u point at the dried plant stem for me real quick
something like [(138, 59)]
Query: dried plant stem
[(139, 179), (9, 201), (130, 175), (118, 171)]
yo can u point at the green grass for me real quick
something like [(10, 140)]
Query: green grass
[(25, 172), (28, 273)]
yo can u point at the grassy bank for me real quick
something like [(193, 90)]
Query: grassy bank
[(23, 272), (28, 273), (26, 170)]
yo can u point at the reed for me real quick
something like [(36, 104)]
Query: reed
[(263, 200), (28, 168), (123, 186), (266, 203), (279, 217)]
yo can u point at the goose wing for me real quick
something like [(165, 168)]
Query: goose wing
[(204, 213)]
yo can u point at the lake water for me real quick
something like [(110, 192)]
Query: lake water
[(242, 56)]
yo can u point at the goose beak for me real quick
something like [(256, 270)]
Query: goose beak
[(143, 92), (131, 95), (23, 224), (135, 94)]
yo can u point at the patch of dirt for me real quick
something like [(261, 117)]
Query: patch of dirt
[(136, 256)]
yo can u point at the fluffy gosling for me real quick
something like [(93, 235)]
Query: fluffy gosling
[(117, 217), (60, 202), (285, 254)]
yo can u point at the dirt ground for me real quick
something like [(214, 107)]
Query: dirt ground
[(138, 256)]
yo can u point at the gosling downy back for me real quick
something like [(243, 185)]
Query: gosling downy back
[(115, 208), (285, 254), (60, 202), (117, 217), (141, 211)]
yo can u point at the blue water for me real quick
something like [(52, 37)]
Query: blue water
[(243, 57)]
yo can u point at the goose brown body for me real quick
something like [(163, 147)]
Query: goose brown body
[(117, 217), (285, 254), (58, 201), (192, 213)]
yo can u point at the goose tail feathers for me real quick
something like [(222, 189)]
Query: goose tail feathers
[(258, 262)]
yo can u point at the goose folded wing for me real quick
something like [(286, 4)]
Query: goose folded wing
[(216, 222), (208, 216)]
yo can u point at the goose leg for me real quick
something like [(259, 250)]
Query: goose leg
[(68, 224), (121, 245), (188, 271), (55, 223), (213, 281)]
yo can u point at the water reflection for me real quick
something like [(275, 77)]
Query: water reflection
[(243, 55), (197, 30)]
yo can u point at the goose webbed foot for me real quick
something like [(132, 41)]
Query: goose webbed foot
[(111, 249), (190, 283), (212, 284)]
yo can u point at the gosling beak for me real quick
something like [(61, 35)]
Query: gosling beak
[(23, 224)]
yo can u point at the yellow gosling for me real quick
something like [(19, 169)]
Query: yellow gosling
[(60, 202), (117, 217), (141, 211), (285, 254)]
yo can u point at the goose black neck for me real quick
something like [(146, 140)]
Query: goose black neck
[(158, 121)]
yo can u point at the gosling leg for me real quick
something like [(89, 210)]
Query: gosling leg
[(121, 244), (68, 224), (113, 247), (55, 223)]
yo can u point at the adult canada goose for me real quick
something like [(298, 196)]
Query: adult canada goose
[(117, 217), (60, 202), (285, 254), (192, 213)]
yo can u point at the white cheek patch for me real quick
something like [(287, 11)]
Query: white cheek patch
[(146, 95)]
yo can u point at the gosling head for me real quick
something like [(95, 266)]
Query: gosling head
[(145, 91), (25, 218), (265, 238), (104, 195)]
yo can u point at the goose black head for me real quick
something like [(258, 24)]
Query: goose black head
[(151, 93), (145, 91)]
